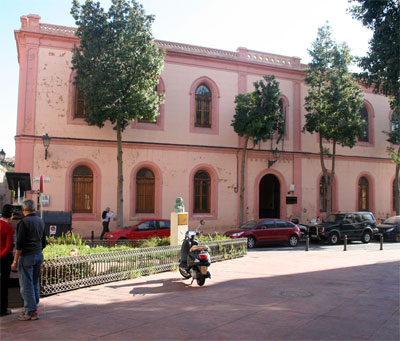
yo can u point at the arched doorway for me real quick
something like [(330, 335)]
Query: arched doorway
[(269, 197)]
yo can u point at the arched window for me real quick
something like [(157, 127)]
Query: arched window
[(82, 190), (203, 107), (145, 191), (364, 116), (323, 195), (363, 194), (79, 103), (202, 192)]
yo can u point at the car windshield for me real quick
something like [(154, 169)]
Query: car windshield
[(250, 224), (334, 218), (392, 220)]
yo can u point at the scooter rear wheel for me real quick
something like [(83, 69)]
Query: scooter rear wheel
[(184, 273), (201, 279)]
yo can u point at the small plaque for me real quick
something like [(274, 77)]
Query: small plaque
[(291, 200), (182, 219)]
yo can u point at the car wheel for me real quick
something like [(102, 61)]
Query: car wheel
[(333, 238), (366, 237), (293, 240), (251, 242)]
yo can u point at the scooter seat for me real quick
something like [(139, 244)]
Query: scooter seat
[(197, 248)]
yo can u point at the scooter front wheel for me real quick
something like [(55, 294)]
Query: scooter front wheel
[(201, 279), (184, 273)]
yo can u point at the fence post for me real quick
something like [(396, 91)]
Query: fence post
[(307, 243), (345, 243), (381, 241)]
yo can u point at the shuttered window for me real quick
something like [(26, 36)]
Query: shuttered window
[(145, 191), (363, 194), (82, 190), (202, 192), (79, 104), (203, 107)]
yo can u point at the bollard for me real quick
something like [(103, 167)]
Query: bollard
[(92, 235), (307, 243), (345, 243), (381, 240)]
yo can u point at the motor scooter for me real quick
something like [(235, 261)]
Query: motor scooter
[(195, 258)]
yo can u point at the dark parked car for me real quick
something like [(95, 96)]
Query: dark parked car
[(390, 229), (354, 225), (146, 228), (274, 231)]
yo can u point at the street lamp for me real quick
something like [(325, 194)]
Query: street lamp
[(2, 155), (46, 143), (276, 154)]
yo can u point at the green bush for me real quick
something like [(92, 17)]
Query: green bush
[(68, 245)]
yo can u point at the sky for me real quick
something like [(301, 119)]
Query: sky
[(286, 27)]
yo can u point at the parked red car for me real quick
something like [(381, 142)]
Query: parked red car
[(147, 228), (274, 231)]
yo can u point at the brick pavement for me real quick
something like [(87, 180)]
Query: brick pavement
[(280, 294)]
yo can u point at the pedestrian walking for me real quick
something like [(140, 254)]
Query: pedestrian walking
[(105, 218), (30, 241), (6, 247)]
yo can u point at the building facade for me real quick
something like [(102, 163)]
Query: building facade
[(191, 151)]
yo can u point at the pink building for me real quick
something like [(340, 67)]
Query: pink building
[(190, 153)]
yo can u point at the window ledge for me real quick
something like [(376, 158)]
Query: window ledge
[(85, 217)]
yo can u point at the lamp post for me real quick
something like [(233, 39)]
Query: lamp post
[(46, 142), (276, 154)]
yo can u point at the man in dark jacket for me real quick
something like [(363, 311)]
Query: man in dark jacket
[(31, 239)]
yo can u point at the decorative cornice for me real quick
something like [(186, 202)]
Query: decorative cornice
[(31, 23)]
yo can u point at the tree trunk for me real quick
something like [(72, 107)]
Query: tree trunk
[(120, 197), (396, 185), (241, 217), (328, 177)]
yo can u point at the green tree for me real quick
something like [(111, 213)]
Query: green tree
[(257, 116), (333, 103), (381, 65), (118, 66)]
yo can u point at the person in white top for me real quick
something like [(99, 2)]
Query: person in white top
[(105, 218)]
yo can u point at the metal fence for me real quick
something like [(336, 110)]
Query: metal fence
[(68, 273)]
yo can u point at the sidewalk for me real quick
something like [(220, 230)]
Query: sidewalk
[(266, 295)]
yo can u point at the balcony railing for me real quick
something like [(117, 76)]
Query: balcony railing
[(68, 273)]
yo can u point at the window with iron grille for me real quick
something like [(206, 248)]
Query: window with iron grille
[(363, 194), (145, 191), (202, 192), (82, 190), (203, 106)]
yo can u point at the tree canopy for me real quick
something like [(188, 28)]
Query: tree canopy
[(118, 66), (257, 116), (381, 64), (333, 102), (258, 113), (117, 62)]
